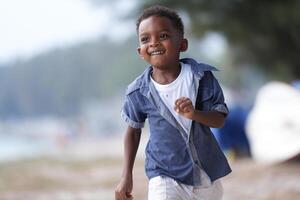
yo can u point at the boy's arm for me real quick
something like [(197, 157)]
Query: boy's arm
[(212, 119), (131, 144), (184, 107)]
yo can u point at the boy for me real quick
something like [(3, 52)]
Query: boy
[(181, 99)]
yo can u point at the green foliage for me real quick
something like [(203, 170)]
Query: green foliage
[(261, 32), (59, 82)]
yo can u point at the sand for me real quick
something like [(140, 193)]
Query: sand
[(94, 173)]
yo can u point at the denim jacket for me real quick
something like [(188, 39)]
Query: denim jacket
[(170, 150)]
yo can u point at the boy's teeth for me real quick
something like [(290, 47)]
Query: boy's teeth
[(156, 53)]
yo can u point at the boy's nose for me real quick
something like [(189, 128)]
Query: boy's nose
[(154, 43)]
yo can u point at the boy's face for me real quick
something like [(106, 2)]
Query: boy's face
[(160, 42)]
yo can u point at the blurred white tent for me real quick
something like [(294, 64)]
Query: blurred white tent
[(273, 126)]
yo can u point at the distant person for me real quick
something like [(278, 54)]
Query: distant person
[(181, 99)]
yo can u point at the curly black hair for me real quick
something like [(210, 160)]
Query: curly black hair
[(161, 11)]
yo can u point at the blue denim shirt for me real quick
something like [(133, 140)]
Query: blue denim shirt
[(170, 150)]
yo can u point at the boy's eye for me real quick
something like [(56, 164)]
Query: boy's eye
[(163, 36), (144, 39)]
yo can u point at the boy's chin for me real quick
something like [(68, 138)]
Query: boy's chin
[(158, 64)]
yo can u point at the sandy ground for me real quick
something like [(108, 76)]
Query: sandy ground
[(90, 170)]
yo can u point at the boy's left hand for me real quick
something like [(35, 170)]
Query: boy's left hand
[(184, 107)]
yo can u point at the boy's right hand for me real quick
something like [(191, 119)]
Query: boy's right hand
[(124, 189)]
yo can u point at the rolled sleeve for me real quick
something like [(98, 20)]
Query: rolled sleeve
[(218, 103), (130, 122), (131, 113), (221, 108)]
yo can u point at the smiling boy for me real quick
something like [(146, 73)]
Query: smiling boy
[(181, 99)]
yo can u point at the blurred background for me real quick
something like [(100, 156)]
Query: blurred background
[(64, 68)]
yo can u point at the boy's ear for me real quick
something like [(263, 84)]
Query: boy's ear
[(139, 52), (184, 45)]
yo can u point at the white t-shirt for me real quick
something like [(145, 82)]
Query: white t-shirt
[(169, 93), (180, 87)]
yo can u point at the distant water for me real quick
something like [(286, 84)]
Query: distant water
[(14, 148)]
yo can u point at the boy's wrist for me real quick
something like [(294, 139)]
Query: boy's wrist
[(127, 175), (194, 114)]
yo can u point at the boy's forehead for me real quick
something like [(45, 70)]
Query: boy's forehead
[(156, 23)]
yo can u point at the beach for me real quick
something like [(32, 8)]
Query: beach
[(90, 170)]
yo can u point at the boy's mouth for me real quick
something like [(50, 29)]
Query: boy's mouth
[(154, 53)]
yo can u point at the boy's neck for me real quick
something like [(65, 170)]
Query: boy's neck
[(166, 76)]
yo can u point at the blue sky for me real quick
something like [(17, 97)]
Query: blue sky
[(33, 26)]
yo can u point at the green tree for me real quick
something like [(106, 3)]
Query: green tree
[(263, 33), (61, 81)]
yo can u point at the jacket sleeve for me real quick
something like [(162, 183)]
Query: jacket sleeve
[(218, 102), (131, 111)]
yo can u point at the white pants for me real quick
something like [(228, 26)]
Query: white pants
[(165, 188)]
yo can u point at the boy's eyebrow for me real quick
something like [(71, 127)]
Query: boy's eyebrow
[(146, 33), (143, 33), (165, 30)]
